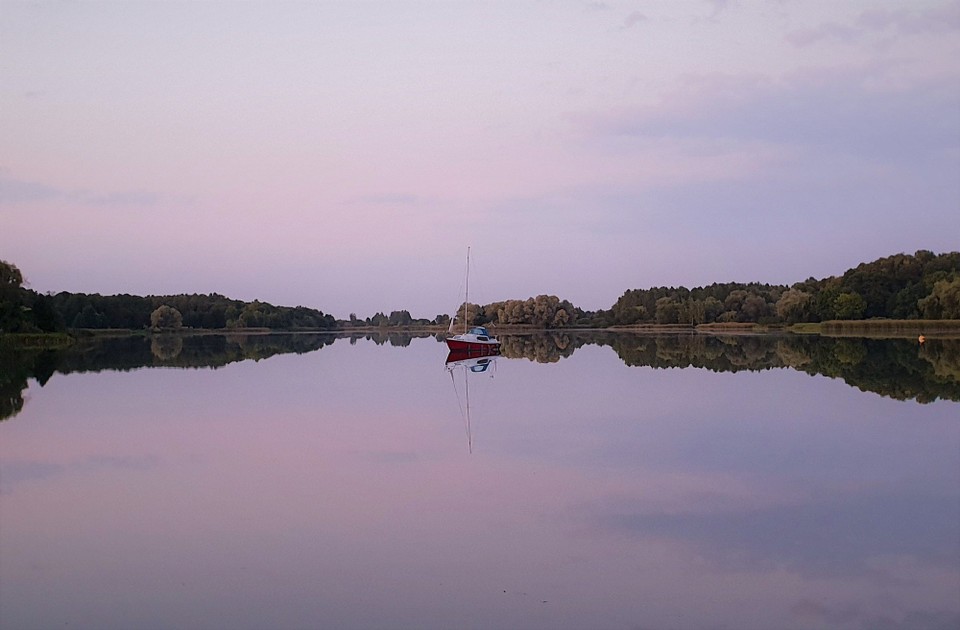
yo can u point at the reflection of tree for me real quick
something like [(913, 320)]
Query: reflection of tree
[(547, 347), (945, 358), (896, 368), (381, 337), (16, 367), (11, 395), (166, 347), (132, 352)]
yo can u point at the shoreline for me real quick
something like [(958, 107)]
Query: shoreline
[(871, 328)]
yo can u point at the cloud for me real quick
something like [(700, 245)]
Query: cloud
[(15, 191), (387, 199), (634, 18), (862, 111), (597, 6), (15, 472), (825, 31), (933, 20), (881, 22), (718, 7)]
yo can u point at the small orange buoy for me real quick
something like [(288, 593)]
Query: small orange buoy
[(921, 339)]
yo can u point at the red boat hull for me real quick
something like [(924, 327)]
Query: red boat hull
[(472, 348)]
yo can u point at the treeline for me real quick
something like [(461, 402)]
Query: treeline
[(83, 310), (401, 318), (923, 285), (23, 310), (543, 311), (919, 286)]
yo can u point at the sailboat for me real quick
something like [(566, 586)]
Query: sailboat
[(475, 340)]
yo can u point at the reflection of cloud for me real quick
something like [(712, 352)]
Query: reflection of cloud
[(144, 462), (819, 614), (19, 471), (835, 536), (391, 457), (16, 472), (809, 611)]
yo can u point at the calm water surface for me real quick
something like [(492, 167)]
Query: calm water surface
[(346, 487)]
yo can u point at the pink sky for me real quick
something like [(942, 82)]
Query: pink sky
[(344, 155)]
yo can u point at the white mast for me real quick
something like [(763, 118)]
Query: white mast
[(466, 299), (466, 292)]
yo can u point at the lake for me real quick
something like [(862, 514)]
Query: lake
[(598, 481)]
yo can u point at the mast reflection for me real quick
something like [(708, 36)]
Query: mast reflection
[(470, 365)]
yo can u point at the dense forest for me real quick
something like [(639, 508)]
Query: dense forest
[(919, 286), (26, 311), (923, 285)]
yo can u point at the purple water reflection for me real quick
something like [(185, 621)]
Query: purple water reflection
[(337, 489)]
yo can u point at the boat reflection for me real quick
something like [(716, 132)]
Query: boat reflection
[(470, 365), (470, 360)]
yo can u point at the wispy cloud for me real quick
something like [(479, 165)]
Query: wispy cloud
[(882, 22), (845, 111), (826, 31), (597, 6), (718, 7), (633, 19), (387, 199), (16, 191), (932, 20)]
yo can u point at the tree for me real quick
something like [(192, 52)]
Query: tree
[(11, 298), (45, 315), (712, 307), (166, 317), (400, 318), (667, 311), (10, 276), (794, 306), (943, 302), (754, 309), (560, 319), (849, 306)]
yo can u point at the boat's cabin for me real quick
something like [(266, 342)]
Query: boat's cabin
[(479, 331)]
